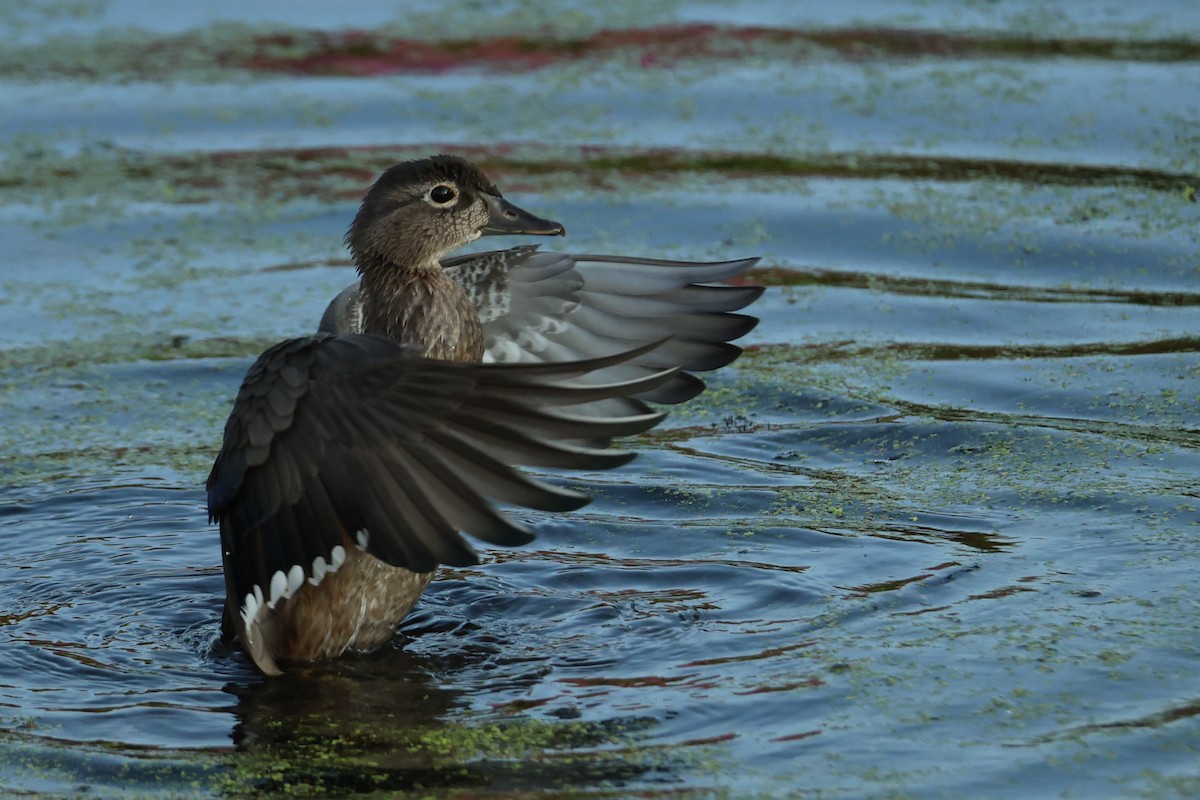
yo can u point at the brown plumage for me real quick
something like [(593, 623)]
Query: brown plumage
[(353, 459)]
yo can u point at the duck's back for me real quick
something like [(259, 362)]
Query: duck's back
[(427, 310)]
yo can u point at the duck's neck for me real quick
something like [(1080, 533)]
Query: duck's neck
[(421, 305)]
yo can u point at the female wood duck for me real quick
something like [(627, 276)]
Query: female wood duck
[(354, 458)]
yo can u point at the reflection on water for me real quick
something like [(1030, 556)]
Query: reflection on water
[(932, 536), (384, 724)]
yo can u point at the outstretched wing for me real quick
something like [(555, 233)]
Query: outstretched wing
[(550, 307), (357, 441)]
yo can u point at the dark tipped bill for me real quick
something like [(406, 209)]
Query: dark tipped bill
[(507, 218)]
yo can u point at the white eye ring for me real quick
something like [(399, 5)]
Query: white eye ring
[(442, 195)]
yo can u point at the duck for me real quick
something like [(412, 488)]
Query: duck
[(356, 457)]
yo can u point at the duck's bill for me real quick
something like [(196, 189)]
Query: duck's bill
[(507, 218)]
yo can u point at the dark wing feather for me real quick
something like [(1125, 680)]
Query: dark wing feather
[(554, 307), (343, 441)]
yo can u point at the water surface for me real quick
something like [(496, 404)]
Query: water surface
[(934, 535)]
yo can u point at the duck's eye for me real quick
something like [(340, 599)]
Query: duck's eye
[(442, 195)]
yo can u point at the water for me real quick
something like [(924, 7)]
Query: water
[(933, 535)]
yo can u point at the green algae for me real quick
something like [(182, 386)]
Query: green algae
[(428, 42), (982, 290), (36, 767), (316, 756), (967, 459), (341, 172), (312, 755)]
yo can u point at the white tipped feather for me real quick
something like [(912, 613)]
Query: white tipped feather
[(278, 587), (295, 579), (250, 608), (318, 570)]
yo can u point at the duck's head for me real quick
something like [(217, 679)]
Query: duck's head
[(420, 210)]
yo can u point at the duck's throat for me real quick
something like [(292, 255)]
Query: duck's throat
[(423, 307)]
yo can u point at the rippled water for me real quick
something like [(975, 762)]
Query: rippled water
[(934, 535)]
